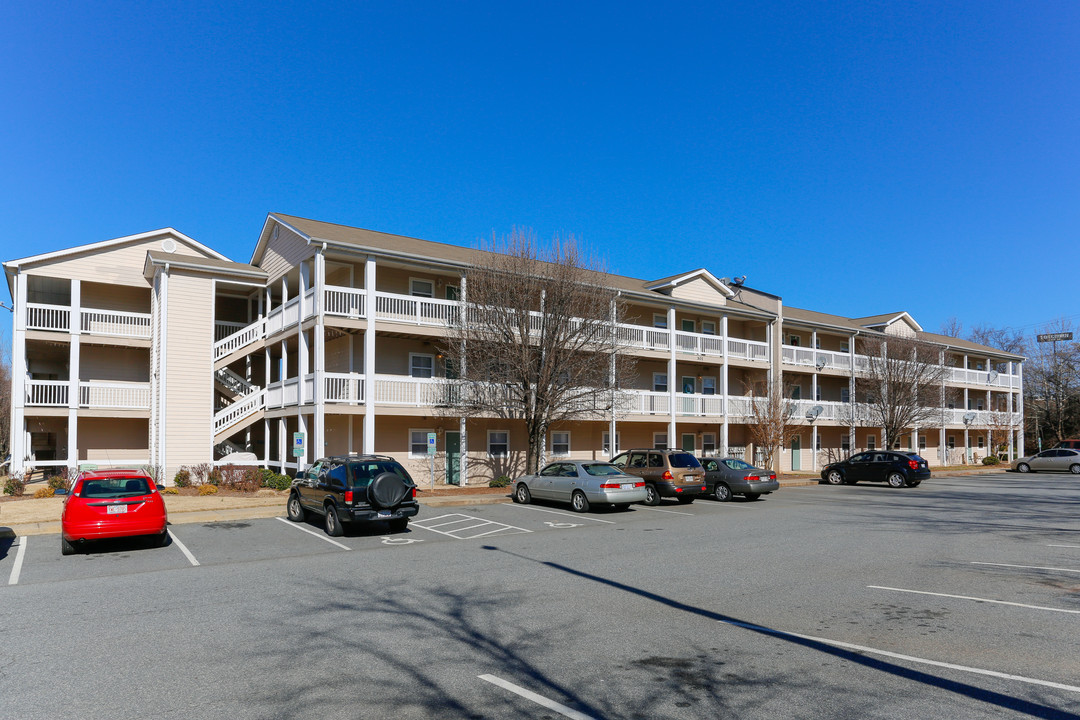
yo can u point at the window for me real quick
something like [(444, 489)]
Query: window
[(498, 443), (418, 443), (817, 443), (688, 384), (421, 288), (689, 326), (871, 442), (845, 442), (817, 393), (338, 475), (708, 386), (659, 382), (922, 442), (845, 346), (796, 392), (421, 366), (606, 440), (560, 443), (453, 292), (794, 340), (656, 460), (979, 404), (952, 442), (980, 441), (659, 440), (708, 327), (708, 443), (845, 395), (896, 444), (659, 320)]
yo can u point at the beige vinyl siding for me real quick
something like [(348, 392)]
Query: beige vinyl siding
[(698, 290), (189, 381), (900, 328), (121, 265), (114, 364), (119, 298), (113, 439), (284, 254)]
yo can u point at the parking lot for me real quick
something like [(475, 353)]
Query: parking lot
[(958, 597)]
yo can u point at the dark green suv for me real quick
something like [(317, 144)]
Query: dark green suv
[(354, 489)]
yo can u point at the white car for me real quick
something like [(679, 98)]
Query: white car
[(582, 483), (1056, 460)]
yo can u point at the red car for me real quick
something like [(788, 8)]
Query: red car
[(111, 504)]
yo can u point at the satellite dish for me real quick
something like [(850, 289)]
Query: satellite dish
[(813, 412), (737, 282), (993, 376), (968, 417), (822, 361)]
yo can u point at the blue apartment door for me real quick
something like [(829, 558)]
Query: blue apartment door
[(796, 453), (453, 458)]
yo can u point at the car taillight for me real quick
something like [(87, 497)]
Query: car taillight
[(752, 478), (639, 484), (414, 492), (772, 476), (348, 496), (913, 464), (667, 475)]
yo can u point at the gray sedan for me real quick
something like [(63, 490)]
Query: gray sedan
[(731, 476), (581, 483), (1058, 459)]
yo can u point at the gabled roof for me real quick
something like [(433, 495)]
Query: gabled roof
[(876, 321), (700, 273), (78, 249)]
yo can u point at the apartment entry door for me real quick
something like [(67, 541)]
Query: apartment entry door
[(453, 457), (796, 453)]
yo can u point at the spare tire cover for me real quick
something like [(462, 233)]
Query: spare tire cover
[(387, 490)]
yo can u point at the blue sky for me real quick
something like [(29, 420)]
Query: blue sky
[(854, 157)]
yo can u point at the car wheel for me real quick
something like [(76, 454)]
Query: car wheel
[(579, 502), (722, 492), (652, 497), (1074, 469), (332, 523), (66, 548), (685, 500), (1023, 467), (162, 540), (752, 496), (399, 525), (522, 494), (895, 480), (835, 477), (294, 509)]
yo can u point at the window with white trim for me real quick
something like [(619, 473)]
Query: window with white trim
[(871, 442), (498, 443), (560, 442), (689, 326), (453, 292), (980, 441), (952, 442), (708, 385), (418, 287), (418, 442), (922, 442), (659, 440), (845, 442), (659, 382), (817, 442), (421, 365), (606, 441), (845, 347), (794, 340), (708, 443), (708, 327), (659, 320)]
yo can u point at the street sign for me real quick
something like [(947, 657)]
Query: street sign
[(431, 443), (298, 444), (1054, 337)]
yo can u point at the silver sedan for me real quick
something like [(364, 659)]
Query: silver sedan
[(581, 483), (1059, 459)]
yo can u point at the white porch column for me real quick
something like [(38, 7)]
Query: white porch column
[(369, 357), (19, 444), (851, 394), (266, 442), (1021, 448), (1009, 409), (318, 386), (724, 385), (302, 426), (283, 443), (303, 345), (613, 316), (74, 373), (463, 457), (672, 381)]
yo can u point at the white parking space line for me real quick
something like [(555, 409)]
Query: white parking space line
[(13, 579), (669, 512), (309, 531), (908, 658), (538, 699), (1068, 546), (976, 599), (1027, 567), (556, 512), (183, 549), (492, 526)]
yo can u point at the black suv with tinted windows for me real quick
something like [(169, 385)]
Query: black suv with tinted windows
[(354, 489), (896, 468)]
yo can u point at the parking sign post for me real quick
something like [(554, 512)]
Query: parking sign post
[(431, 454)]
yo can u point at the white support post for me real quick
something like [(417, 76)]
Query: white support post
[(672, 380), (369, 357), (318, 386), (19, 445), (724, 385), (463, 457), (74, 373)]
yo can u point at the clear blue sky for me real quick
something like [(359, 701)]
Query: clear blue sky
[(854, 157)]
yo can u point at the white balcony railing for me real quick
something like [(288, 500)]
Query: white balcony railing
[(698, 344), (239, 339), (810, 357), (223, 329), (238, 411), (344, 301), (748, 349), (416, 310), (343, 388), (40, 316), (47, 393), (94, 394)]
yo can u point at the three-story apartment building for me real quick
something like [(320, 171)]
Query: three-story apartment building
[(155, 350)]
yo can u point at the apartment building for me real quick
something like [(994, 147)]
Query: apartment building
[(153, 349)]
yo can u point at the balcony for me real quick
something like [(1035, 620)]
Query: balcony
[(93, 394), (91, 321)]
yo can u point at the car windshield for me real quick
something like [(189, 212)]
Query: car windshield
[(115, 487), (601, 469), (736, 464), (365, 471), (683, 460)]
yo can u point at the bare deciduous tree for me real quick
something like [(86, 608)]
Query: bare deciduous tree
[(1052, 386), (901, 385), (770, 423), (952, 327), (5, 402), (537, 339)]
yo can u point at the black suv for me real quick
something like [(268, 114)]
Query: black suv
[(896, 468), (354, 489)]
